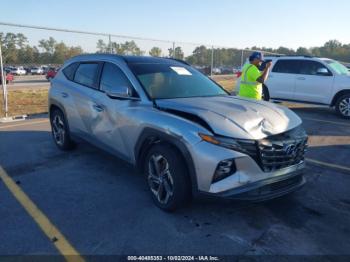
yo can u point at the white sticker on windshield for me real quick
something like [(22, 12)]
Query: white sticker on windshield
[(181, 70)]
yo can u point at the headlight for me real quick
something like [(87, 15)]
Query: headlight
[(230, 143)]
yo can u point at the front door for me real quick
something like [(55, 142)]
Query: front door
[(111, 121), (314, 82)]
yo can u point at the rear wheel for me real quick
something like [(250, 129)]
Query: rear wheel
[(167, 177), (342, 106), (60, 130)]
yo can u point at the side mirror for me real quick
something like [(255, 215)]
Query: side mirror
[(323, 72), (123, 92)]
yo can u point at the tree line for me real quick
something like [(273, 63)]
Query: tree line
[(16, 50)]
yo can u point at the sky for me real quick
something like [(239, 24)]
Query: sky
[(231, 23)]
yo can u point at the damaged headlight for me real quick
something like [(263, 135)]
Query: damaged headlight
[(240, 145)]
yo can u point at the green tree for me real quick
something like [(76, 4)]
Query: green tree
[(48, 45), (9, 48), (200, 56), (303, 51), (179, 54), (155, 51), (101, 46), (130, 48), (21, 40)]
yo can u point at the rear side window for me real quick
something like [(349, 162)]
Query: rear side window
[(69, 71), (113, 76), (86, 74), (311, 67), (286, 66)]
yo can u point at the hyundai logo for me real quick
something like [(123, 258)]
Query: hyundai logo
[(289, 149)]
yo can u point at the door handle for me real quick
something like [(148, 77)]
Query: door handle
[(64, 95), (301, 78), (97, 108)]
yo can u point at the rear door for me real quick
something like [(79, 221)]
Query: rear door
[(282, 78), (82, 89), (314, 82)]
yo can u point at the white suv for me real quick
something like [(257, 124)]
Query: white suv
[(309, 79), (18, 71)]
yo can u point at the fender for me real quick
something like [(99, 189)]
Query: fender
[(55, 102)]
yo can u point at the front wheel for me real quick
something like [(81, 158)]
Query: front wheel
[(167, 177), (342, 106)]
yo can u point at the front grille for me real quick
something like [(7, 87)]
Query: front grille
[(279, 151)]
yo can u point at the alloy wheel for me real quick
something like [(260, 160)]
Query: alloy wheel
[(160, 179), (344, 106), (58, 129)]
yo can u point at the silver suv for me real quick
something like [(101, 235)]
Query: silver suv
[(184, 131)]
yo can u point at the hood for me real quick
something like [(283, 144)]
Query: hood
[(234, 116)]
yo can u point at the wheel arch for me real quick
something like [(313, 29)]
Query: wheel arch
[(54, 104), (150, 137), (338, 95)]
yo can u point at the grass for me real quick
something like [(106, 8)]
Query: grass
[(34, 101), (229, 84), (25, 102)]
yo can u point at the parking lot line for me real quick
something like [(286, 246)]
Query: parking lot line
[(55, 236), (24, 124), (326, 121), (321, 163)]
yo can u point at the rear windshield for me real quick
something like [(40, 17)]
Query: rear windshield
[(165, 81)]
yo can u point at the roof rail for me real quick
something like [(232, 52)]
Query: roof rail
[(179, 60), (308, 56)]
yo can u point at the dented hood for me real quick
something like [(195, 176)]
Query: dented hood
[(234, 116)]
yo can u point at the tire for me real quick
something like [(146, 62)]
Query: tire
[(342, 106), (60, 131), (265, 94), (173, 189)]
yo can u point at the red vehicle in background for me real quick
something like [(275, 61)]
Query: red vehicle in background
[(51, 73), (8, 76)]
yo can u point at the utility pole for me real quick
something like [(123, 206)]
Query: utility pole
[(173, 49), (4, 86), (110, 44)]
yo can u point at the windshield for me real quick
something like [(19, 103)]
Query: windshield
[(338, 67), (165, 81)]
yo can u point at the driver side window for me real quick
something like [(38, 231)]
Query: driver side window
[(312, 67), (113, 77)]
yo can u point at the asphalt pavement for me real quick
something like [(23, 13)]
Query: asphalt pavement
[(101, 205)]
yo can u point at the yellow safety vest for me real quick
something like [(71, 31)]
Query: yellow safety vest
[(249, 87)]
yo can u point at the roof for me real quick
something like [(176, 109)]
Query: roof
[(131, 59), (148, 59)]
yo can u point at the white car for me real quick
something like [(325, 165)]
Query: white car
[(308, 80), (18, 71), (37, 71)]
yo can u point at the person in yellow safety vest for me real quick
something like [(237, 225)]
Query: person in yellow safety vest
[(252, 79)]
